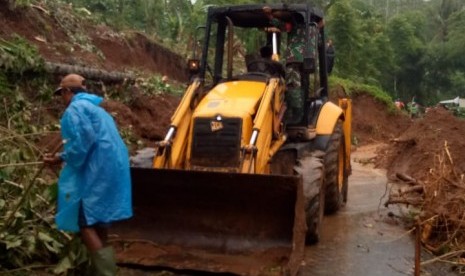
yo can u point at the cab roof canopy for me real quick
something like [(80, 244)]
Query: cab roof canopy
[(249, 16)]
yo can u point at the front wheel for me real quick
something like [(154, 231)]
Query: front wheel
[(336, 178), (311, 169)]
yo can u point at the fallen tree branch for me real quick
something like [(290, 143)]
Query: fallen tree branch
[(441, 196), (413, 189), (21, 164), (30, 267), (401, 200), (443, 256), (40, 9), (89, 73), (456, 185), (407, 178)]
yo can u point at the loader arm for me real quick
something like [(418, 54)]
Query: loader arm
[(269, 113), (170, 152)]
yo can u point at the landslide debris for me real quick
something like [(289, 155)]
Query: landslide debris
[(64, 34), (414, 151), (373, 121), (428, 161)]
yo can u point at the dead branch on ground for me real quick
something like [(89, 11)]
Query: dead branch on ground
[(440, 199)]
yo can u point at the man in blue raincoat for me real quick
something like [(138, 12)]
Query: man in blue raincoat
[(94, 188)]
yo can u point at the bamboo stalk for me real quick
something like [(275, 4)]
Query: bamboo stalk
[(88, 72), (11, 183), (28, 134), (9, 272), (21, 164)]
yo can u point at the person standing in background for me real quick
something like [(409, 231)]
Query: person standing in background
[(399, 104), (330, 53)]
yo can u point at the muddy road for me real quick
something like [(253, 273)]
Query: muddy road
[(363, 238)]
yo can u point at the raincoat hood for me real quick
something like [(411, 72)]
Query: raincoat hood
[(96, 100)]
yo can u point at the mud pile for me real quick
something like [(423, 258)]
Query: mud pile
[(430, 156), (415, 150), (373, 122)]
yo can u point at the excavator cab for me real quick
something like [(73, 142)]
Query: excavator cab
[(232, 187)]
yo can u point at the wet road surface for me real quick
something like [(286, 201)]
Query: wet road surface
[(361, 239)]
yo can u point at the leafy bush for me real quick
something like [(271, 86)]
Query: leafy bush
[(458, 111), (156, 85), (18, 56), (353, 88)]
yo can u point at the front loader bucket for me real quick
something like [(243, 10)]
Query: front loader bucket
[(217, 222)]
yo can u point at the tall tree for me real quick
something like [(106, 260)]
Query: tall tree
[(343, 28), (408, 49)]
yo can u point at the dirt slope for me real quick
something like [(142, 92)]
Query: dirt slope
[(62, 36), (415, 149), (148, 117), (373, 122)]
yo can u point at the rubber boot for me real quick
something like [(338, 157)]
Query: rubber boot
[(103, 262)]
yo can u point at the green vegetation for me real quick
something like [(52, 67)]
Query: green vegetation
[(27, 196), (404, 49), (155, 85), (459, 112), (353, 88), (456, 110), (18, 57)]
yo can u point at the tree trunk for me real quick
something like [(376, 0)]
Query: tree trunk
[(88, 73)]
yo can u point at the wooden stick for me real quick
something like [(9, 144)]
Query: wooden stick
[(27, 191), (416, 188), (21, 164), (407, 178), (446, 255), (408, 201), (417, 249)]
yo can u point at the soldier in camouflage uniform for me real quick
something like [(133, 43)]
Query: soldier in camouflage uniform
[(293, 58)]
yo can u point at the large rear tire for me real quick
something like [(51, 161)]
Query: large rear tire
[(336, 177), (311, 168)]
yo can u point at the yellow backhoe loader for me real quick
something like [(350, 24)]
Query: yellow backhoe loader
[(236, 186)]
